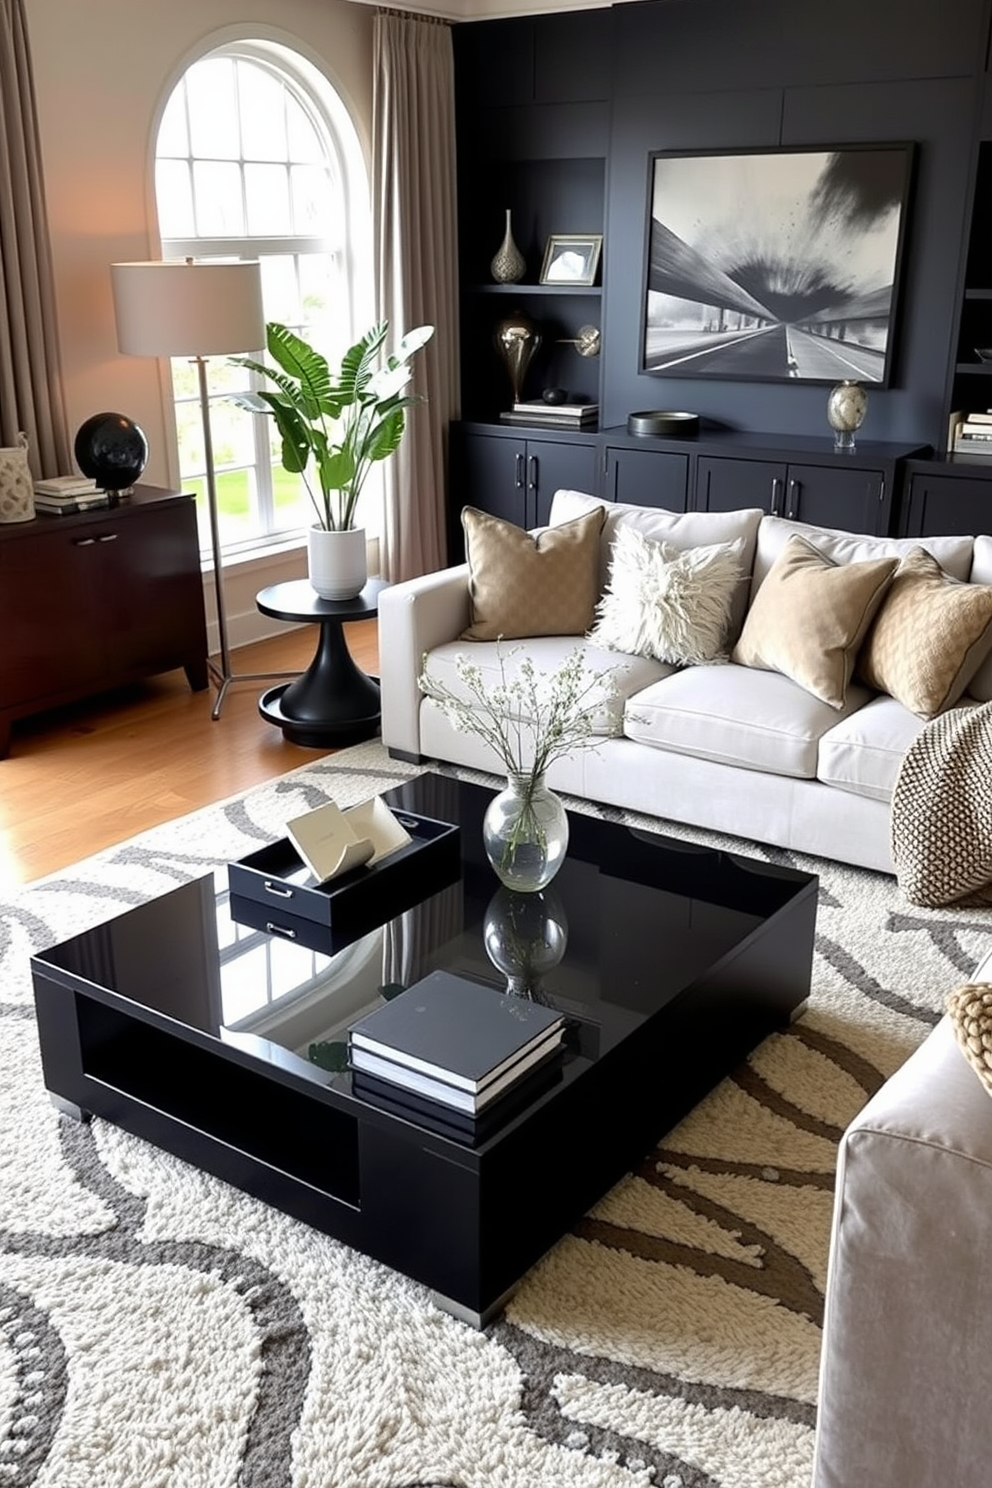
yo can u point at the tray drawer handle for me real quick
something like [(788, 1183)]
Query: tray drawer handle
[(279, 930), (279, 890)]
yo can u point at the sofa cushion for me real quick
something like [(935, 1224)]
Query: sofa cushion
[(665, 603), (809, 617), (954, 554), (980, 685), (863, 752), (531, 584), (736, 716), (629, 674), (682, 529), (929, 637)]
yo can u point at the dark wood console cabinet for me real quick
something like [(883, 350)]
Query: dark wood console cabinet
[(99, 599)]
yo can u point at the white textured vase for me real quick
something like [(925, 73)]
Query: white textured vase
[(337, 562)]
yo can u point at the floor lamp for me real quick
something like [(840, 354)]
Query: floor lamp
[(196, 310)]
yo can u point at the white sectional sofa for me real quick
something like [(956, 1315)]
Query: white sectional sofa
[(734, 748)]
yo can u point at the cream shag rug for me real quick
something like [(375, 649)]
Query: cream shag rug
[(161, 1330)]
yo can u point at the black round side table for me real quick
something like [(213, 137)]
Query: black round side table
[(333, 702)]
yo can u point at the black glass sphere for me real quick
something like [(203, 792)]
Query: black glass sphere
[(111, 450)]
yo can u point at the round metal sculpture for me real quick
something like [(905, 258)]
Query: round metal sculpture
[(111, 450)]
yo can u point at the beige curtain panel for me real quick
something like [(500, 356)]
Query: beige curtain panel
[(414, 207), (30, 381)]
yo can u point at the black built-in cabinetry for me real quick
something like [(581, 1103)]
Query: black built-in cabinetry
[(557, 118)]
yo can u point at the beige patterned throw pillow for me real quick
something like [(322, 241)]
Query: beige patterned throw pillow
[(809, 617), (929, 638), (970, 1010), (531, 584)]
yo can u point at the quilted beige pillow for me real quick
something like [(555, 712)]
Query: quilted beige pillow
[(970, 1010), (810, 616), (929, 638), (531, 584)]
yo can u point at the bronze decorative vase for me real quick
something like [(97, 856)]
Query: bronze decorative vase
[(508, 264), (516, 340)]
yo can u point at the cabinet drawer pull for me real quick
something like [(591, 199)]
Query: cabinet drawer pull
[(108, 537), (776, 494), (83, 542), (519, 472), (280, 930), (532, 472), (278, 889), (794, 489)]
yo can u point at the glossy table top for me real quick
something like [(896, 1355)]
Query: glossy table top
[(631, 920)]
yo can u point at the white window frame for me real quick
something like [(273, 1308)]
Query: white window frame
[(323, 102)]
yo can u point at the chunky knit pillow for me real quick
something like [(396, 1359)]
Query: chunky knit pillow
[(665, 602), (970, 1009)]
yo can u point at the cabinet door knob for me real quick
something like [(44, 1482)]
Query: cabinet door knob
[(776, 493), (794, 489)]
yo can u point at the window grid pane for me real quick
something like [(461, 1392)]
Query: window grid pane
[(244, 163)]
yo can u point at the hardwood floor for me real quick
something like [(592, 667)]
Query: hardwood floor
[(84, 778)]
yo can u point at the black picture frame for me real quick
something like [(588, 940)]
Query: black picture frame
[(775, 265)]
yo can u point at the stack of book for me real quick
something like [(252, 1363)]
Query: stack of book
[(64, 494), (452, 1044), (554, 415)]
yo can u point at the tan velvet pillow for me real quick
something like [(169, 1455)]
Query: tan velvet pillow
[(527, 584), (809, 617), (929, 638)]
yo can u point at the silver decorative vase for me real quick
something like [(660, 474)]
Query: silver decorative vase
[(846, 409), (517, 339), (508, 265)]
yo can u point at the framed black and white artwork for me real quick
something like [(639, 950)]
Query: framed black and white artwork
[(775, 265)]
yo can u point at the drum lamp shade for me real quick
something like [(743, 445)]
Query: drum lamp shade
[(175, 307)]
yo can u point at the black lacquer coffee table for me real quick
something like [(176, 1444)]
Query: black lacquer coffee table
[(224, 1042)]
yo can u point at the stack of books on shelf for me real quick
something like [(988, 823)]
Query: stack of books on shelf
[(64, 494), (451, 1045), (554, 415)]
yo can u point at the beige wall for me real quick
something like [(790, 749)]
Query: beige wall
[(103, 70)]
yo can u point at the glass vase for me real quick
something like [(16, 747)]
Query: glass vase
[(525, 833)]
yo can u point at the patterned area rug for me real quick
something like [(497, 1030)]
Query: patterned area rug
[(159, 1329)]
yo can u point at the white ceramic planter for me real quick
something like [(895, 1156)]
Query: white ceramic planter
[(337, 562)]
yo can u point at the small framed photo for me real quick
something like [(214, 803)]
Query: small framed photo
[(571, 258)]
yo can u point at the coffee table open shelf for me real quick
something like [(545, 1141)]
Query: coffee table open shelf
[(173, 1022)]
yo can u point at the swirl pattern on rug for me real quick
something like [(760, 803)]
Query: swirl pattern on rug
[(159, 1329)]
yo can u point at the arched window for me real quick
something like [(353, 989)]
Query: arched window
[(257, 157)]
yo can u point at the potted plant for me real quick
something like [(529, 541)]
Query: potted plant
[(334, 427)]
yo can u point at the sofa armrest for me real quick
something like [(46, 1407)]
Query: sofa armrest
[(908, 1322), (414, 617)]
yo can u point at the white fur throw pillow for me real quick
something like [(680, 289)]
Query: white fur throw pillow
[(665, 602)]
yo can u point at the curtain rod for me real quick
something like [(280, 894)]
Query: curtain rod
[(409, 15)]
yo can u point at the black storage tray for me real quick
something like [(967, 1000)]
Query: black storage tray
[(276, 877)]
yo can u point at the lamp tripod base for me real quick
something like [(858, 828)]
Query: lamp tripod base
[(223, 677)]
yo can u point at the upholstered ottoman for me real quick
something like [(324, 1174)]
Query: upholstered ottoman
[(906, 1372)]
